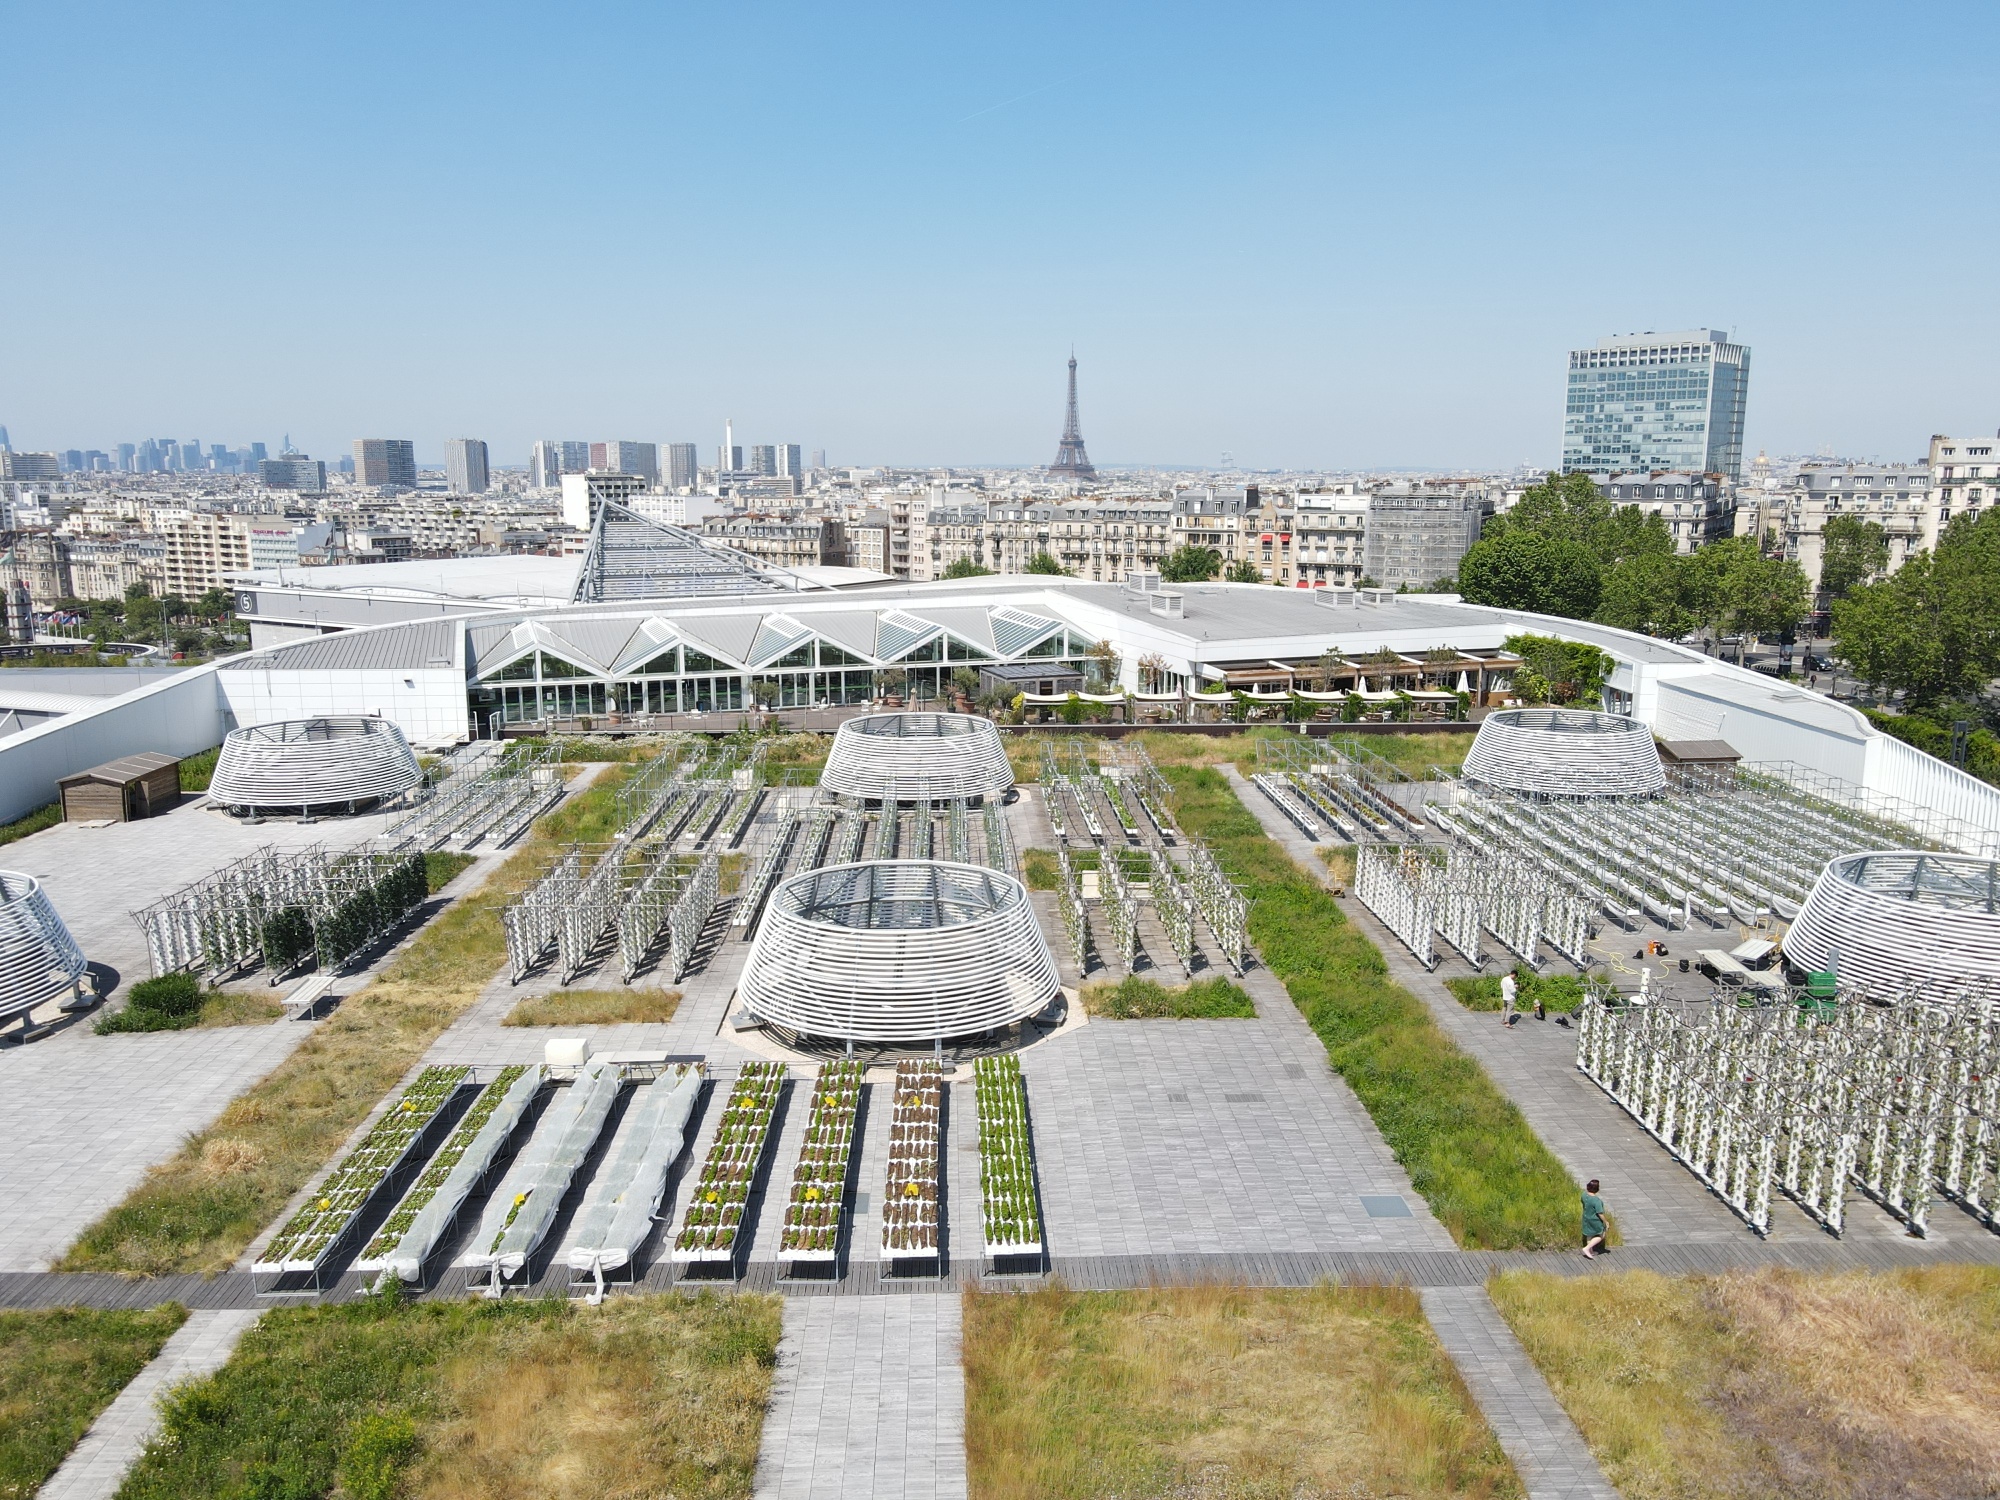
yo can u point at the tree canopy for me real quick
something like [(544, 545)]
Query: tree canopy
[(1242, 572), (1531, 570), (965, 567), (1188, 563), (1558, 671), (1855, 552), (1932, 628), (1042, 562)]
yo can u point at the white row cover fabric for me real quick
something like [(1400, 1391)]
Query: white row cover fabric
[(410, 1253), (898, 951), (1565, 752), (39, 960), (628, 1190), (910, 756), (1883, 920), (296, 763), (562, 1139)]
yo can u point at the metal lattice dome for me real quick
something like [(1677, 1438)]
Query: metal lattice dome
[(1885, 920), (1565, 752), (39, 960), (899, 951), (910, 756), (294, 764)]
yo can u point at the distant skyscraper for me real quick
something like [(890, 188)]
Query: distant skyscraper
[(380, 462), (1657, 401), (465, 466), (788, 459), (681, 466), (1071, 461), (257, 451), (600, 456), (292, 471), (819, 458), (763, 458), (575, 457), (545, 465), (5, 445), (128, 457)]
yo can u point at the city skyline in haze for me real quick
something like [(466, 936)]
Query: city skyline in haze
[(1309, 238)]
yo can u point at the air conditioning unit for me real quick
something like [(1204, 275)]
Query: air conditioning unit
[(1335, 598), (1169, 602), (1375, 596)]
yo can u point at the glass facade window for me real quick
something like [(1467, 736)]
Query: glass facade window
[(1657, 403)]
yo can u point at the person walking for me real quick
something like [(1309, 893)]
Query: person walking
[(1593, 1220), (1507, 999)]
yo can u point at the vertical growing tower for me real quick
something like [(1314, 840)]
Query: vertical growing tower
[(1071, 460)]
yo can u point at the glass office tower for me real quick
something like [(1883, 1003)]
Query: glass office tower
[(1657, 401)]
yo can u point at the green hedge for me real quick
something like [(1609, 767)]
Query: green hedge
[(1982, 749), (171, 1002), (1467, 1148)]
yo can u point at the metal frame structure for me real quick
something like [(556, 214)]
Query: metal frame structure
[(1565, 752), (39, 960), (898, 951), (928, 756), (1898, 1098), (1421, 890), (1882, 918), (306, 765), (492, 802)]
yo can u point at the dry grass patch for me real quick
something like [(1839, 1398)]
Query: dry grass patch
[(595, 1008), (537, 1399), (1218, 1391), (238, 1008), (188, 1217), (1879, 1385)]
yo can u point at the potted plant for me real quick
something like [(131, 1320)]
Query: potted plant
[(890, 683)]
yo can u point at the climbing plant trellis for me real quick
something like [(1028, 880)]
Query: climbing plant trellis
[(283, 910), (1418, 890), (1895, 1099)]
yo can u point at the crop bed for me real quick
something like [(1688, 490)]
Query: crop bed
[(314, 1229), (448, 1156), (1009, 1206), (819, 1182), (911, 1207), (714, 1216)]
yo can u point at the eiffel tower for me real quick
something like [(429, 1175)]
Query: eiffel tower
[(1071, 461)]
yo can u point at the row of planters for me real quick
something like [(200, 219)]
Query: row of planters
[(1010, 1208), (381, 890), (711, 1226), (313, 1232), (819, 1181), (412, 1231), (912, 1209)]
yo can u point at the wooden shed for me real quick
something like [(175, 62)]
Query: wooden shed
[(133, 786)]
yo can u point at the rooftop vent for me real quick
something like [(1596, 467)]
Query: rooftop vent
[(1375, 596), (1335, 598), (1142, 582), (1169, 602)]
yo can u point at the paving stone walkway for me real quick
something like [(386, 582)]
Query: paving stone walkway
[(98, 1464), (869, 1401), (1536, 1433)]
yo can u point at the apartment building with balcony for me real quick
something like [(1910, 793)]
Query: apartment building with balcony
[(1897, 497), (1965, 475), (1697, 508)]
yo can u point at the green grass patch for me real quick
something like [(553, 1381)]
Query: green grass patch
[(441, 868), (1560, 994), (1039, 870), (60, 1367), (595, 1008), (200, 1209), (197, 769), (1135, 998), (46, 816), (1218, 1391), (1467, 1148), (646, 1395)]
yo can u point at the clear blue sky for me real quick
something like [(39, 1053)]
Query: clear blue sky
[(1309, 236)]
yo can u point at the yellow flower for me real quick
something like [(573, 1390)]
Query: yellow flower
[(910, 1190), (710, 1196), (519, 1199), (325, 1203)]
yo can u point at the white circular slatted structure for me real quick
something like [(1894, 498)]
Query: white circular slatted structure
[(296, 764), (899, 951), (1565, 752), (908, 756), (1884, 920), (39, 960)]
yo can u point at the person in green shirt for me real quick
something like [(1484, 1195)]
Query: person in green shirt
[(1593, 1220)]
